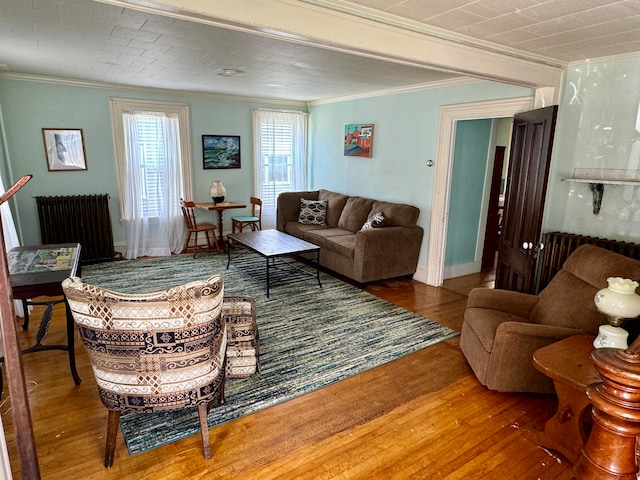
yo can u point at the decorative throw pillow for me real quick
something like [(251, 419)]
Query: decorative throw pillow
[(313, 212), (376, 220)]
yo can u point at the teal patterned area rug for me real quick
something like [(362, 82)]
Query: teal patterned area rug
[(310, 337)]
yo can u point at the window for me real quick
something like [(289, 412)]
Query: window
[(280, 156), (277, 169), (151, 142), (151, 136)]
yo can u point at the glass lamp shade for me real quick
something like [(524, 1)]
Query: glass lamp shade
[(218, 191), (619, 300)]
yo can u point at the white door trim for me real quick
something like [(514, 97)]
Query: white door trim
[(449, 115)]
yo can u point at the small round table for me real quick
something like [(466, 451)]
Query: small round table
[(568, 363)]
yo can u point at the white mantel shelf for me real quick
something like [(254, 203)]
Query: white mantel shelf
[(602, 181), (597, 178)]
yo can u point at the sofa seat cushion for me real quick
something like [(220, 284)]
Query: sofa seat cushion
[(299, 230), (484, 323), (355, 213), (320, 237), (344, 245), (335, 205)]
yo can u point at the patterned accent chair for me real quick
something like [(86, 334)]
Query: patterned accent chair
[(153, 352), (243, 359)]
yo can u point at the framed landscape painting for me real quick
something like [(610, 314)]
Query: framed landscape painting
[(221, 151), (358, 140)]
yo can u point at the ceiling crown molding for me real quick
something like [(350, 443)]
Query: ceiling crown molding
[(392, 91), (160, 91), (418, 27)]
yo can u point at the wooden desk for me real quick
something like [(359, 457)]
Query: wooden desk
[(39, 271), (569, 365), (220, 207)]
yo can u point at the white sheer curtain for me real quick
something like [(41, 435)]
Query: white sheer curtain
[(10, 239), (280, 157), (152, 188)]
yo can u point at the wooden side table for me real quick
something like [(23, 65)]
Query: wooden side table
[(39, 270), (568, 363), (220, 207)]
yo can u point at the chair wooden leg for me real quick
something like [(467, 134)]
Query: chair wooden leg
[(112, 433), (204, 429), (209, 244), (221, 397), (215, 240), (186, 244), (195, 244)]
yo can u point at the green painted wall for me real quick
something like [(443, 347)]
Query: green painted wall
[(30, 106), (467, 185)]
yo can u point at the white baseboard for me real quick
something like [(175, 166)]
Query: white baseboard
[(421, 274), (462, 269)]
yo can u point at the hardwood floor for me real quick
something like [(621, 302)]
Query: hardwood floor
[(422, 416)]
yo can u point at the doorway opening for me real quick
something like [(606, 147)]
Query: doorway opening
[(449, 116), (478, 180)]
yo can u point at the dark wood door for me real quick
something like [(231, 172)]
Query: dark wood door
[(531, 144), (492, 232)]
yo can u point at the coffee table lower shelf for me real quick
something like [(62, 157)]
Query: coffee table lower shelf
[(272, 245)]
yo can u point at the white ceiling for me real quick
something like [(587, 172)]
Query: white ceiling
[(88, 40)]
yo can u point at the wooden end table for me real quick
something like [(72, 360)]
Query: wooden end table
[(568, 363)]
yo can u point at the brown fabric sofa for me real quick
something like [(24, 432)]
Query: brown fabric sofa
[(364, 256), (502, 329)]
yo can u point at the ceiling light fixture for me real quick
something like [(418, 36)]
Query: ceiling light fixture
[(230, 72)]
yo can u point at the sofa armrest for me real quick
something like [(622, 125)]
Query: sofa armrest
[(506, 301), (387, 252), (288, 206)]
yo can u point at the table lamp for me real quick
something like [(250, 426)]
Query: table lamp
[(618, 302), (218, 192)]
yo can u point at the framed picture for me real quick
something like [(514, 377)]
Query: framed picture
[(221, 151), (64, 148), (358, 140)]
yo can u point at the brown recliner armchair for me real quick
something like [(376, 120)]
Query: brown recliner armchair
[(502, 329)]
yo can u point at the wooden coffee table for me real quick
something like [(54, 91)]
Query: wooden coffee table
[(272, 244)]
